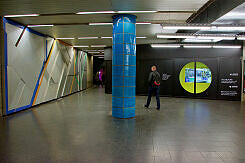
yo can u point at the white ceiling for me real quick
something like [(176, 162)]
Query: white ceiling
[(73, 6), (10, 7)]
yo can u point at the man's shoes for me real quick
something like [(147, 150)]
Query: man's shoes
[(158, 108), (147, 107)]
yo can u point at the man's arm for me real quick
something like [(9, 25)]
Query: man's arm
[(150, 78)]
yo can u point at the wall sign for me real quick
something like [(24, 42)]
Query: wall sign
[(165, 76)]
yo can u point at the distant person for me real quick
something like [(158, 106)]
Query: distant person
[(97, 78), (154, 86)]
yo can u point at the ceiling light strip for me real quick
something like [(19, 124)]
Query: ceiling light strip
[(175, 36), (106, 37), (124, 12), (65, 38), (165, 45), (195, 46), (227, 46), (204, 27), (41, 25), (113, 12), (25, 15), (202, 37), (96, 12), (100, 23), (143, 23), (241, 37), (216, 37), (88, 38), (81, 46)]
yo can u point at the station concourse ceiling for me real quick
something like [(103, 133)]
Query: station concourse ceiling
[(67, 24)]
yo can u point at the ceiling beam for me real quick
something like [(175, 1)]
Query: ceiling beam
[(213, 10)]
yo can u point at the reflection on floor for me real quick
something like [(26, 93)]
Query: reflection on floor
[(79, 128)]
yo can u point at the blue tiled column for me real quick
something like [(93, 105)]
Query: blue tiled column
[(124, 66)]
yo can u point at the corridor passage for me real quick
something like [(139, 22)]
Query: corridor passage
[(80, 128)]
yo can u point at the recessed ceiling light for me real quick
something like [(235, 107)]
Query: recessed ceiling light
[(197, 46), (106, 37), (98, 46), (231, 28), (216, 37), (186, 27), (65, 38), (227, 46), (9, 16), (201, 40), (88, 37), (100, 23), (143, 23), (165, 45), (96, 12), (41, 25), (101, 57), (136, 11), (241, 37), (141, 37), (175, 36), (81, 46)]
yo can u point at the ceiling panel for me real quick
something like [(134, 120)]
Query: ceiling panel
[(68, 19), (73, 6), (8, 7)]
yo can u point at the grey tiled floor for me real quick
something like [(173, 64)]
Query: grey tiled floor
[(80, 128)]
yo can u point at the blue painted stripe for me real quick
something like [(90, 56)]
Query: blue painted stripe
[(37, 84), (22, 27), (35, 32), (23, 108), (5, 64), (13, 23), (18, 109)]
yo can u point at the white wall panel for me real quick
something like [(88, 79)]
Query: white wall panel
[(64, 69), (24, 64)]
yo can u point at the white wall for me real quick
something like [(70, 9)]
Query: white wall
[(61, 74)]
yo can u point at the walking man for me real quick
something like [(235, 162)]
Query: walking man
[(154, 86)]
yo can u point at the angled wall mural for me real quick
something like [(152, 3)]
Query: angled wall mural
[(40, 68)]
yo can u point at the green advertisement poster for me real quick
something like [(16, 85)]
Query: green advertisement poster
[(202, 79)]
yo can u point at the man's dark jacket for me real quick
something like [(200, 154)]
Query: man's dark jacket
[(153, 76)]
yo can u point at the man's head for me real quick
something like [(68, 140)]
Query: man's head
[(153, 68)]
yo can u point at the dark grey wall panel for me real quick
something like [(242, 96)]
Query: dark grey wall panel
[(230, 78), (108, 76), (145, 52), (170, 62), (108, 54)]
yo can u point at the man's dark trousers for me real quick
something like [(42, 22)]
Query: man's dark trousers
[(152, 89)]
